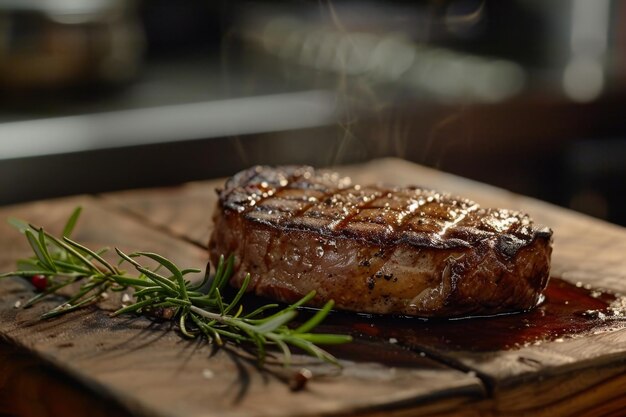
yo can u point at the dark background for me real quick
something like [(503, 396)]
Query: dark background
[(526, 95)]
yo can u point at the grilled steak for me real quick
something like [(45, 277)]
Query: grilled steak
[(373, 249)]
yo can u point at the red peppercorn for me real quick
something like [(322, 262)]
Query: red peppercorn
[(40, 282)]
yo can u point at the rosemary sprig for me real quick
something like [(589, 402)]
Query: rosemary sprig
[(199, 309)]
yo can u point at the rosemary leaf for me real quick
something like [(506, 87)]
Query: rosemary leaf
[(158, 279), (183, 326), (20, 225), (71, 252), (275, 322), (44, 248), (219, 300), (91, 253), (316, 319), (41, 255), (205, 279), (71, 222), (260, 310), (219, 271), (172, 268), (240, 293), (284, 348)]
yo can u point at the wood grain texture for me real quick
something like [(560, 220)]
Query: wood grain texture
[(149, 370), (586, 250)]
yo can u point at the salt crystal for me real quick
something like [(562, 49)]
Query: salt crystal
[(17, 304), (393, 340), (125, 298), (207, 373)]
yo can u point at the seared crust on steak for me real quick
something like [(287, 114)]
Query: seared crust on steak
[(375, 249)]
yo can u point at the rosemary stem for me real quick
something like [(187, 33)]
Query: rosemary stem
[(213, 316), (223, 319)]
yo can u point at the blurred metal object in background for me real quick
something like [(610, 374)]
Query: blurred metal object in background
[(167, 124), (430, 72), (584, 75), (56, 44)]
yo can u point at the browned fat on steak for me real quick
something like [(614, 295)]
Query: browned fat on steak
[(375, 249)]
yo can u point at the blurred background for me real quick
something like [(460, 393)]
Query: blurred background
[(99, 95)]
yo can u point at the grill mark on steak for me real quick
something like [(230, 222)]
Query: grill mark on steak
[(377, 249), (349, 208), (387, 255)]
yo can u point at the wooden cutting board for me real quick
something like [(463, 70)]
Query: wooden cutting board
[(87, 363)]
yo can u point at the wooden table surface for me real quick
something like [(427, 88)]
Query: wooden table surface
[(87, 363)]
